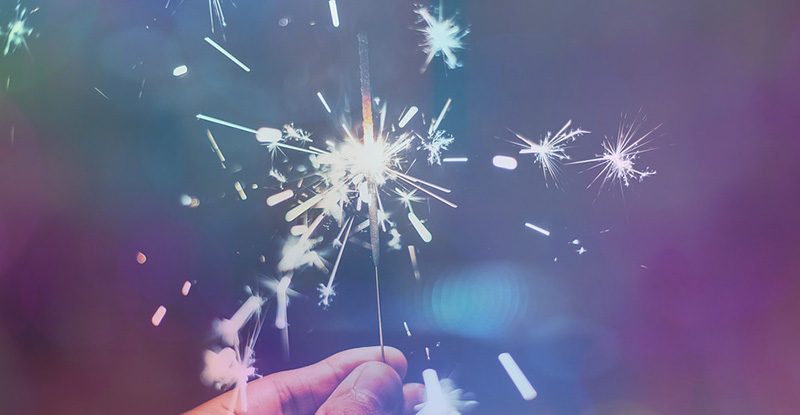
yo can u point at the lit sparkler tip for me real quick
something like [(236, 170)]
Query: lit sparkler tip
[(515, 373), (442, 397), (543, 231)]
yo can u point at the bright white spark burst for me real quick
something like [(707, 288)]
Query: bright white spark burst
[(550, 151), (441, 37), (442, 397), (617, 163), (17, 30), (232, 365)]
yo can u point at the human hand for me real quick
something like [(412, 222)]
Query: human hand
[(353, 382)]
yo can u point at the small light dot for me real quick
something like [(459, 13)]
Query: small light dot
[(180, 70), (141, 258)]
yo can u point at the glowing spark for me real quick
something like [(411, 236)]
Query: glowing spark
[(581, 251), (17, 31), (180, 71), (334, 14), (283, 302), (186, 287), (280, 197), (428, 352), (215, 147), (101, 93), (228, 329), (419, 227), (505, 162), (158, 315), (442, 397), (544, 232), (551, 150), (435, 125), (617, 163), (408, 332), (408, 116), (515, 373), (140, 258), (412, 253), (455, 160), (435, 144), (441, 37), (240, 190), (322, 100), (267, 135), (227, 54)]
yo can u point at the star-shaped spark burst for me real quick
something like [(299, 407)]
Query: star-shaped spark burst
[(17, 30), (617, 163), (443, 397), (550, 152), (441, 37)]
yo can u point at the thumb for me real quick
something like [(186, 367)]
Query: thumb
[(373, 388)]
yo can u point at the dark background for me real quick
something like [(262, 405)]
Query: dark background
[(688, 304)]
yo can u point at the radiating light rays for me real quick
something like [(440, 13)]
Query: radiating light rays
[(550, 151), (620, 153), (441, 37), (17, 31)]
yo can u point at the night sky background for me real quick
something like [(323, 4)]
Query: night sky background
[(688, 304)]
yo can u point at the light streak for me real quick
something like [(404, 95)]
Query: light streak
[(551, 150), (419, 227), (324, 103), (334, 14), (226, 53), (101, 93), (408, 332), (455, 160), (412, 254), (280, 197), (240, 190), (186, 287), (158, 315), (215, 147), (505, 162), (255, 132), (543, 231), (515, 373), (408, 116)]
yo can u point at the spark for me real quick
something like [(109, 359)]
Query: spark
[(180, 71), (324, 103), (581, 251), (186, 287), (408, 116), (280, 197), (543, 231), (227, 54), (267, 134), (283, 302), (617, 163), (420, 227), (158, 315), (435, 144), (515, 373), (442, 397), (504, 162), (228, 329), (17, 30), (141, 258), (550, 151), (412, 253), (215, 11), (101, 93), (408, 331), (215, 147), (455, 159), (334, 14), (239, 189), (442, 37)]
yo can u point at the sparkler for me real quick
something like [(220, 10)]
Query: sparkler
[(551, 150), (441, 37), (617, 163), (17, 31)]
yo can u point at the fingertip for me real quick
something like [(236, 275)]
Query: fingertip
[(397, 360), (372, 388)]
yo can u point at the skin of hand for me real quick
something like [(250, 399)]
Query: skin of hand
[(352, 382)]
